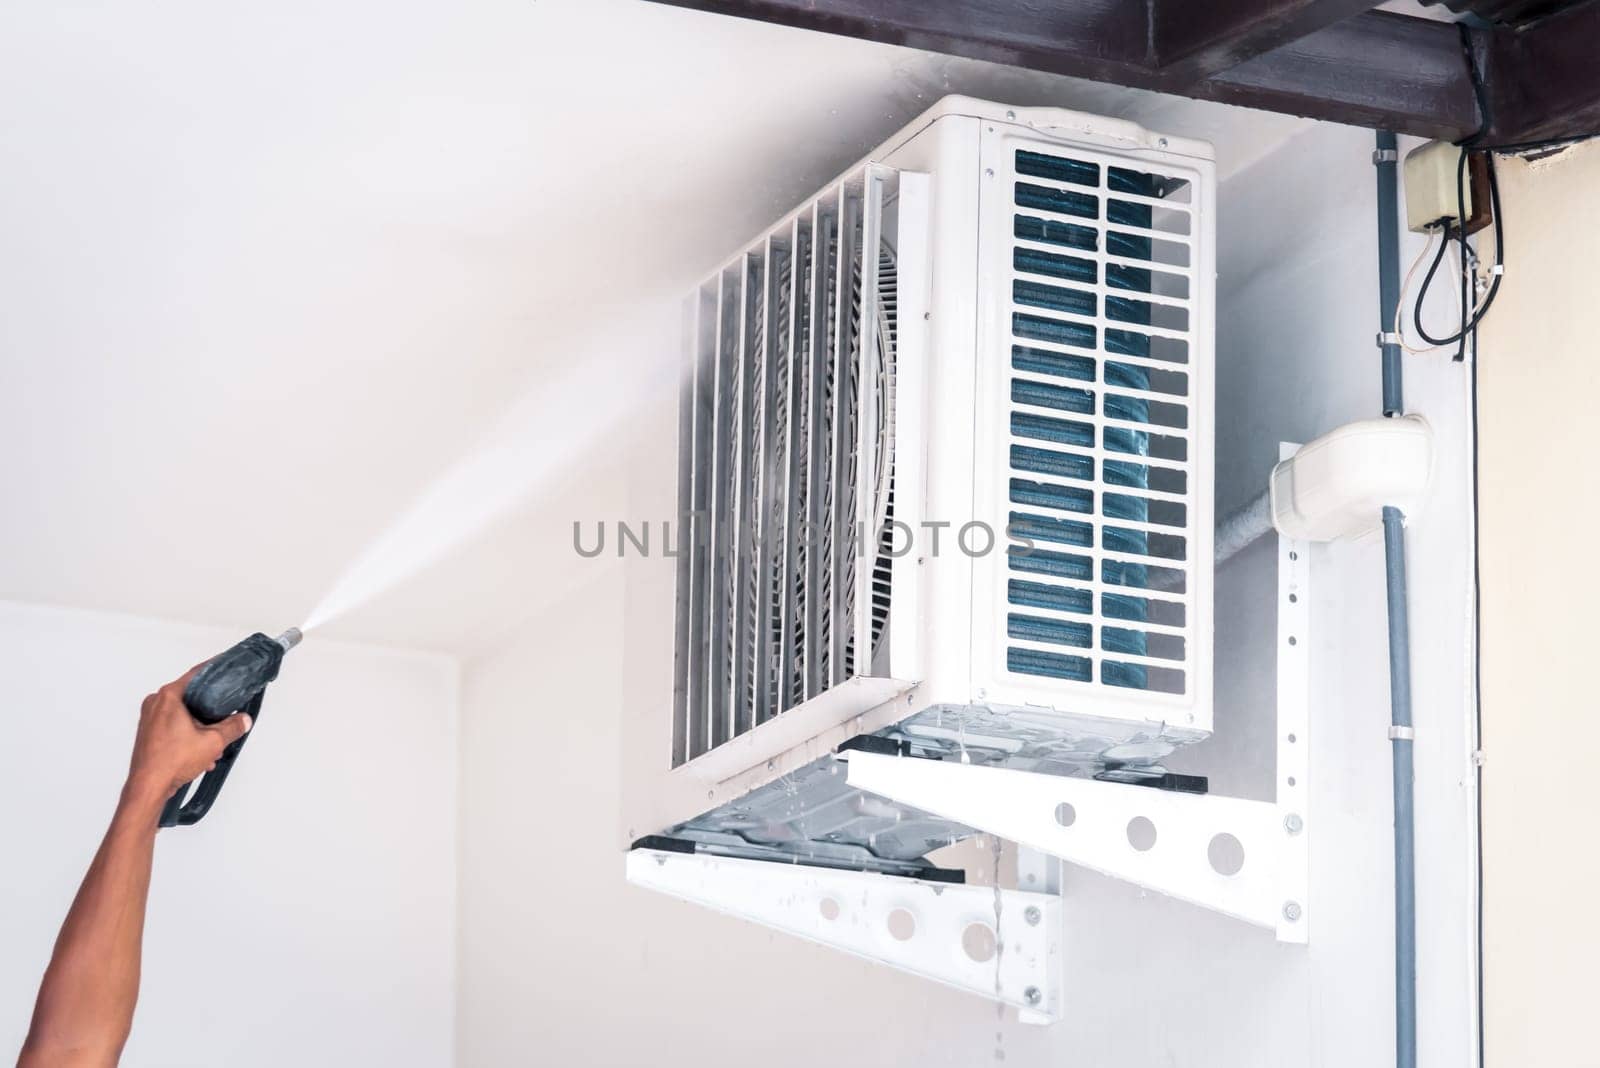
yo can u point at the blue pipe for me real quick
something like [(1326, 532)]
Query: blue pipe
[(1389, 267), (1386, 161), (1405, 879)]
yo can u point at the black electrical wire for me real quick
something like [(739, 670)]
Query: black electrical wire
[(1469, 326), (1422, 292), (1469, 261), (1479, 91), (1469, 317), (1477, 679)]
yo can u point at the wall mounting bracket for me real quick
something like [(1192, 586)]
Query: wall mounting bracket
[(1244, 858), (1248, 859), (1001, 944)]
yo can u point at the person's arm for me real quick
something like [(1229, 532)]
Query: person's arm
[(85, 1006)]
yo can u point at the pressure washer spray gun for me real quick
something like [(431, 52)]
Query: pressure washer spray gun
[(234, 681)]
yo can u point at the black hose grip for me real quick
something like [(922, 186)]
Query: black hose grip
[(231, 680), (187, 806), (234, 681)]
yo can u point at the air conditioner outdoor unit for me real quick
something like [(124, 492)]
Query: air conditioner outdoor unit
[(946, 439)]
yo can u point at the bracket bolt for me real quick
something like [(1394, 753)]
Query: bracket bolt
[(1032, 995), (1033, 915), (1291, 911), (1293, 823)]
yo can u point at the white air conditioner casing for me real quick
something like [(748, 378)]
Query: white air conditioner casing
[(1039, 360)]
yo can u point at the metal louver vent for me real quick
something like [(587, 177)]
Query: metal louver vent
[(1101, 441), (787, 390)]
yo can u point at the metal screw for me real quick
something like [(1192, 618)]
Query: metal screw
[(1293, 823), (1162, 142), (1032, 995), (1011, 114), (1033, 915), (1291, 911), (988, 172)]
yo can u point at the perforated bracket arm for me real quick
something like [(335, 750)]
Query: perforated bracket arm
[(1174, 843), (949, 933)]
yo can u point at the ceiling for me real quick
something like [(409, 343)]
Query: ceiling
[(271, 272), (1517, 73)]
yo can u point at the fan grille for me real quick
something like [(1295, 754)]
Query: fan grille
[(770, 468)]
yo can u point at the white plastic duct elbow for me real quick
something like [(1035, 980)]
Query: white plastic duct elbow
[(1337, 486)]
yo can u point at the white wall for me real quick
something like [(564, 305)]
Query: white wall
[(1540, 510), (579, 965), (309, 919), (546, 972)]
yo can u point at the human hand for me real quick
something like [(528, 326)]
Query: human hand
[(172, 748)]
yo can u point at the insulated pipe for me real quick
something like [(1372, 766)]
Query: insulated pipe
[(1387, 161), (1400, 735), (1243, 528)]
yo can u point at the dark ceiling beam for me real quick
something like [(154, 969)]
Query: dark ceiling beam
[(1375, 69), (1544, 79), (1192, 40), (1106, 40), (1378, 70)]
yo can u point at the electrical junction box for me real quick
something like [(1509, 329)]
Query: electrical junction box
[(1432, 199)]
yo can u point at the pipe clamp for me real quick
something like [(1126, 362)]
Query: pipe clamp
[(1402, 734)]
